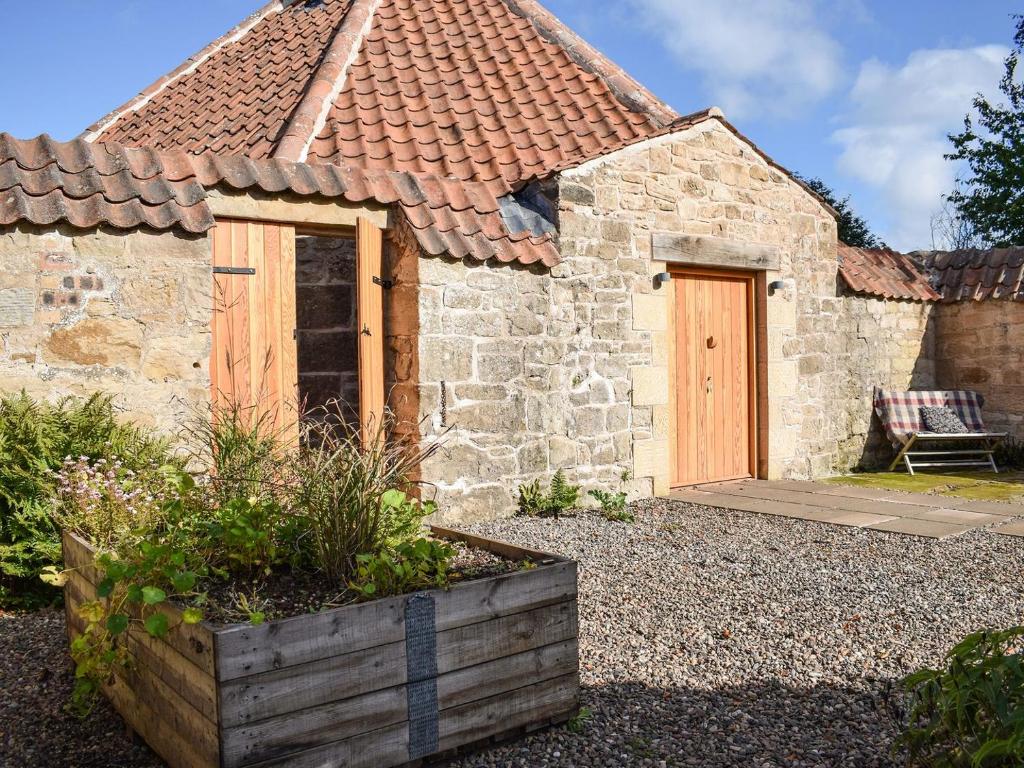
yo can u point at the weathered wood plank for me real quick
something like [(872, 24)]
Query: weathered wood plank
[(174, 671), (246, 650), (255, 697), (384, 748), (493, 677), (505, 636), (79, 556), (503, 548), (487, 717), (708, 251), (279, 691), (301, 730), (175, 731), (193, 642), (503, 595), (291, 209)]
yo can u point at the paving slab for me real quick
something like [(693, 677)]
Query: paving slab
[(1004, 508), (825, 501), (859, 492), (958, 516), (1014, 528), (854, 519), (926, 528)]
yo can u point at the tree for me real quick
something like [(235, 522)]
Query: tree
[(991, 199), (853, 229), (950, 230)]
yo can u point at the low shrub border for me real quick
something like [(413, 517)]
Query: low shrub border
[(381, 683)]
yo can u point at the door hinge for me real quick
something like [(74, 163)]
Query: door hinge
[(234, 270), (387, 285)]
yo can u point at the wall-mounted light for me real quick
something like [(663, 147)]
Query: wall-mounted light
[(776, 285), (662, 277)]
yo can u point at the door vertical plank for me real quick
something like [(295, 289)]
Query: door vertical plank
[(219, 342), (258, 348), (287, 323), (370, 303), (238, 319), (271, 293)]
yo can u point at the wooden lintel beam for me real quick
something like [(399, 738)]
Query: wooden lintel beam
[(295, 210), (708, 251)]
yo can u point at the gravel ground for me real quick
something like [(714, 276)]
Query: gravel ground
[(708, 638)]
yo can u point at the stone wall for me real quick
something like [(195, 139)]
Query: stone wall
[(326, 320), (124, 313), (980, 346), (518, 371), (525, 372), (879, 343), (706, 181)]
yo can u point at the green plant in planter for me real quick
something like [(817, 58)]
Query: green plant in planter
[(969, 713), (419, 564), (560, 497), (36, 438)]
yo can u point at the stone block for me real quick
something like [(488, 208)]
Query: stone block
[(650, 458), (17, 307), (445, 359), (108, 341), (649, 384), (650, 312)]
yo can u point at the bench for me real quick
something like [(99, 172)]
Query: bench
[(900, 413)]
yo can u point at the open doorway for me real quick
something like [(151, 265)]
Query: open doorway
[(327, 324)]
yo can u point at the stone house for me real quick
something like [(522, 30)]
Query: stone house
[(460, 209)]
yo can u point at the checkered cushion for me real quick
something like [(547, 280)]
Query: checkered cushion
[(900, 412)]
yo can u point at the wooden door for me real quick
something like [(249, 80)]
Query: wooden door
[(714, 381), (254, 361)]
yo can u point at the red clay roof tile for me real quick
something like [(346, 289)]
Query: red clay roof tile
[(883, 272), (91, 184), (976, 274), (476, 89)]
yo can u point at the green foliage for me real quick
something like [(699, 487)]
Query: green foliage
[(578, 722), (613, 505), (560, 497), (853, 229), (35, 440), (414, 565), (354, 496), (1010, 454), (969, 714), (991, 199)]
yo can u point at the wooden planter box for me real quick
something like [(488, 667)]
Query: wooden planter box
[(377, 684)]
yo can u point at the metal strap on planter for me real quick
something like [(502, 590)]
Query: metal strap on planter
[(421, 669)]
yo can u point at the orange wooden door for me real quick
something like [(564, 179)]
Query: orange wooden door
[(254, 362), (713, 377)]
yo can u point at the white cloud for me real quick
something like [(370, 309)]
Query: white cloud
[(756, 56), (895, 134)]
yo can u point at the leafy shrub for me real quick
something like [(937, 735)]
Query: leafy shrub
[(35, 440), (1010, 454), (971, 712), (560, 496), (420, 564), (354, 496), (613, 505)]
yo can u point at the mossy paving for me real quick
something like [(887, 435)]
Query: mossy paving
[(981, 486)]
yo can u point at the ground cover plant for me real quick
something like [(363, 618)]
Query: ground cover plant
[(36, 440), (251, 524), (560, 497), (969, 712)]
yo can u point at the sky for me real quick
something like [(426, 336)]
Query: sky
[(861, 93)]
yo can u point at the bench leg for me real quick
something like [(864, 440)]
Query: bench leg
[(902, 456)]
